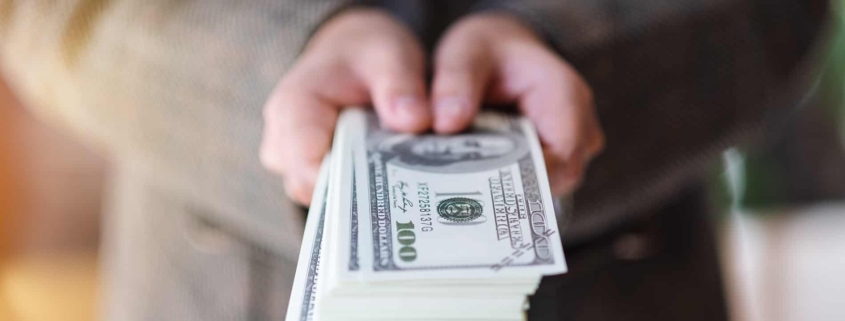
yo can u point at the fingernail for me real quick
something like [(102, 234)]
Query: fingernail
[(449, 107), (449, 114), (408, 106)]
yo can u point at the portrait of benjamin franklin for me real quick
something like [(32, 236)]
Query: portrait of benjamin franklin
[(473, 151)]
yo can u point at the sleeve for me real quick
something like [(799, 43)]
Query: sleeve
[(40, 43), (676, 83)]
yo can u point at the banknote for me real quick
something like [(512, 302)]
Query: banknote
[(344, 242), (301, 305), (471, 205), (402, 223)]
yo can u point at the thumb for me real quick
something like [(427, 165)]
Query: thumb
[(463, 67), (394, 73)]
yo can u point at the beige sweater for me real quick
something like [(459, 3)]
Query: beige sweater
[(176, 86)]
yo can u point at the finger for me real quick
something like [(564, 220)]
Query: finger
[(297, 134), (565, 177), (559, 103), (554, 168), (344, 64), (462, 69), (299, 121), (394, 72), (294, 151), (596, 141), (299, 191)]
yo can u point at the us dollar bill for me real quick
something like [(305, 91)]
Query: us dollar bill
[(472, 205), (303, 298)]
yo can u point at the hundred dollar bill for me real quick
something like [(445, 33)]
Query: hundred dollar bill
[(472, 205), (343, 243), (303, 296)]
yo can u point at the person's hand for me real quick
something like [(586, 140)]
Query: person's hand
[(361, 56), (365, 56), (493, 58)]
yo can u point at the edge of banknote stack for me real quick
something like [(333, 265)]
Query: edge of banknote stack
[(427, 227)]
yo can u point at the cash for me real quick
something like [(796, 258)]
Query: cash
[(427, 227)]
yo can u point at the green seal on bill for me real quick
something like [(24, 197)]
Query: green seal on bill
[(459, 209)]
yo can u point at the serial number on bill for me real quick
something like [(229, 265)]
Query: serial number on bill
[(424, 202)]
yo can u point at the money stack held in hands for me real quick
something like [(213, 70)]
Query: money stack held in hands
[(427, 227)]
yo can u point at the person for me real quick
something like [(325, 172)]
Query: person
[(647, 92)]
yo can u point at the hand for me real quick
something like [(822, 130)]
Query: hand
[(361, 56), (494, 58)]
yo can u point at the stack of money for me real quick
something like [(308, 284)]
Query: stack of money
[(427, 227)]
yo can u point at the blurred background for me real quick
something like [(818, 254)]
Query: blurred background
[(782, 234), (50, 188)]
